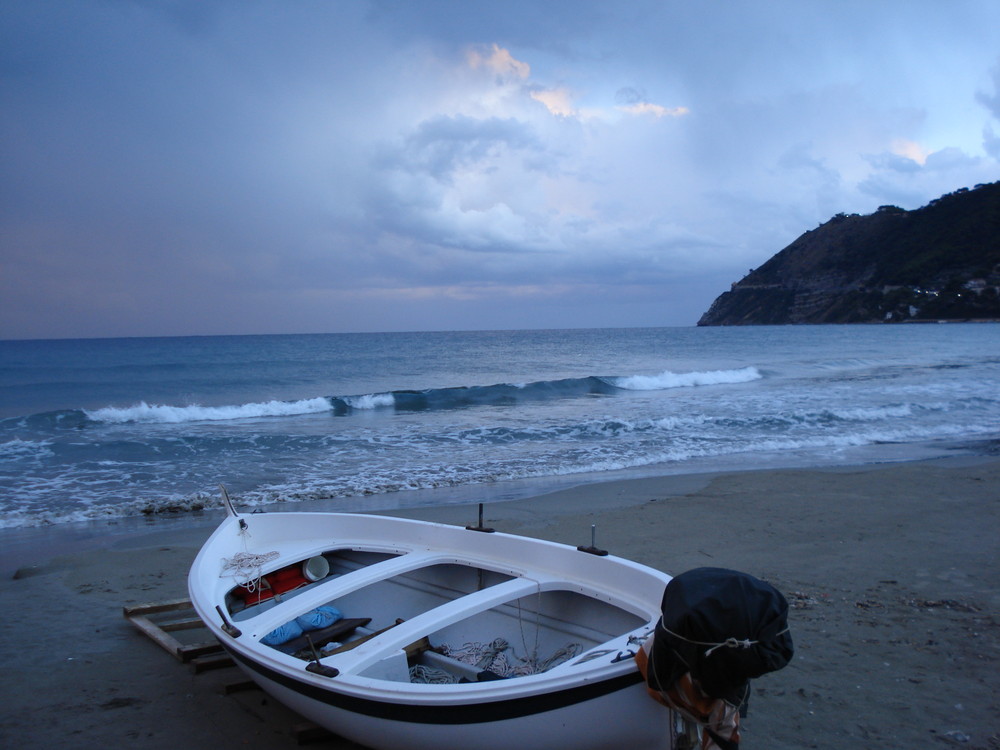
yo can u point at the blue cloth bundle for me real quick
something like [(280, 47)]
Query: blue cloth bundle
[(282, 634), (321, 617), (315, 619)]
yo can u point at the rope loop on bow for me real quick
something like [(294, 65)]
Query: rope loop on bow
[(712, 647)]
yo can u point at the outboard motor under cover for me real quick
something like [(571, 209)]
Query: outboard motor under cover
[(722, 626)]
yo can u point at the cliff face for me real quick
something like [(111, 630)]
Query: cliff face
[(939, 262)]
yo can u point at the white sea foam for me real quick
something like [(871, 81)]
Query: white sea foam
[(371, 401), (668, 379), (873, 414), (161, 413), (18, 448)]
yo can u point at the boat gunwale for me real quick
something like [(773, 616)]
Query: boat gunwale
[(411, 557)]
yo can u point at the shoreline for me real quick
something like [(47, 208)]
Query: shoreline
[(892, 571), (30, 545)]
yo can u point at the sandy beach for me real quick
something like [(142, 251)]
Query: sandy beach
[(892, 571)]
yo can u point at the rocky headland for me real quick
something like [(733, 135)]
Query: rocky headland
[(938, 262)]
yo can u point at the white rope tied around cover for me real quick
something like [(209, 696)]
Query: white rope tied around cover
[(728, 643)]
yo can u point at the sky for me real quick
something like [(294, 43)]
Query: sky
[(180, 167)]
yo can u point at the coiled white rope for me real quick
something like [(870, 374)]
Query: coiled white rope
[(246, 568)]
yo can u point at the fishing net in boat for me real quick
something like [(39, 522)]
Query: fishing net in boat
[(496, 656), (424, 675), (246, 568)]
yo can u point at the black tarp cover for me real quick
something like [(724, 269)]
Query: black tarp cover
[(708, 606)]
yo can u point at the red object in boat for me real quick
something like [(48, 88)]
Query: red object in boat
[(277, 582)]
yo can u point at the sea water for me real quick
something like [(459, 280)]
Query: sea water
[(106, 428)]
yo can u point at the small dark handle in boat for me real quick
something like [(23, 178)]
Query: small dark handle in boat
[(315, 667), (623, 656), (321, 669), (227, 627)]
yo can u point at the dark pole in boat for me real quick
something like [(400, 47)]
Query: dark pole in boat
[(314, 666), (228, 627), (480, 527), (592, 549)]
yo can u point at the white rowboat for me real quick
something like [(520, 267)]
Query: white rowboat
[(419, 600)]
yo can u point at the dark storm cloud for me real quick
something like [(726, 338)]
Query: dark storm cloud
[(442, 145)]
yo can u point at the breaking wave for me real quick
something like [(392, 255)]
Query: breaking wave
[(433, 399), (668, 379), (143, 412)]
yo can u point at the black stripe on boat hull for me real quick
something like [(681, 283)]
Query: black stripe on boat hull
[(459, 713)]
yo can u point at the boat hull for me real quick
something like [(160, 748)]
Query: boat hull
[(618, 716)]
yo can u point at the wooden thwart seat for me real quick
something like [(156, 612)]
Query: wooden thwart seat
[(323, 636)]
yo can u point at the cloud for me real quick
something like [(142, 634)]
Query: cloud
[(444, 145), (991, 141), (902, 181), (633, 101), (910, 150), (892, 161), (992, 100), (558, 102), (500, 61), (628, 95), (646, 108), (171, 168)]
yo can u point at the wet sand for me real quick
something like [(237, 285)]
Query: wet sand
[(892, 571)]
